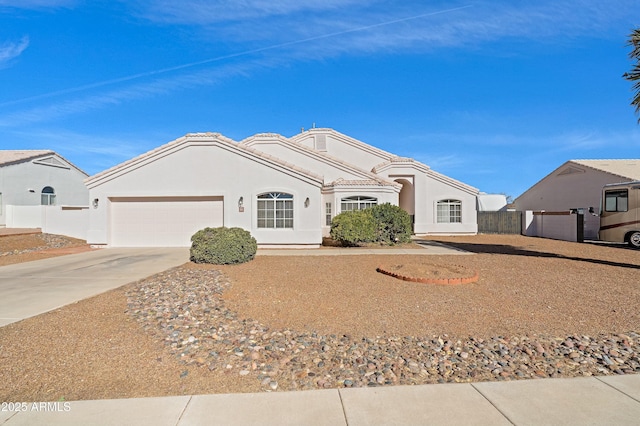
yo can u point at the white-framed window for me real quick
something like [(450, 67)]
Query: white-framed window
[(327, 213), (275, 210), (449, 211), (357, 203), (48, 196)]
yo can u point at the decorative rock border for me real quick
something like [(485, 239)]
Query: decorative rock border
[(441, 281)]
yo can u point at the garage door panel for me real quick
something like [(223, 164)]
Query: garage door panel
[(162, 221)]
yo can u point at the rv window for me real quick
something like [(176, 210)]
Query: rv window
[(616, 201)]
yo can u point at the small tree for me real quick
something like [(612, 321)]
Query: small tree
[(634, 74)]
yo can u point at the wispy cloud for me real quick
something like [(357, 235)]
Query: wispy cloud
[(11, 50), (579, 144), (95, 153), (204, 12), (287, 20), (35, 4), (130, 91), (286, 31)]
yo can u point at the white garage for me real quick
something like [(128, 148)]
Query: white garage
[(162, 221)]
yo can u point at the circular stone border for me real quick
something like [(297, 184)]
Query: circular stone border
[(441, 281)]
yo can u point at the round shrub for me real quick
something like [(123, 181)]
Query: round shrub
[(393, 224), (222, 246), (353, 227)]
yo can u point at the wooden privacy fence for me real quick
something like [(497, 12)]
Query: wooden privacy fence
[(503, 222)]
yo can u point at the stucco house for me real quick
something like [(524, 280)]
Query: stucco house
[(285, 191), (577, 185), (33, 178)]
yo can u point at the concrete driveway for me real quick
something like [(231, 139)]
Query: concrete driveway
[(32, 288)]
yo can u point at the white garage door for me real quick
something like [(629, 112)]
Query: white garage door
[(162, 221)]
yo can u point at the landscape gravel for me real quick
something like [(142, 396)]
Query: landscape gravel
[(541, 308), (185, 308)]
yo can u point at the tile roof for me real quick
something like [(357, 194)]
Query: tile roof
[(344, 138), (193, 137), (329, 159), (361, 182), (400, 160), (628, 169), (8, 157)]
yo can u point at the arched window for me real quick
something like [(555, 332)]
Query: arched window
[(275, 210), (48, 196), (357, 203), (449, 211)]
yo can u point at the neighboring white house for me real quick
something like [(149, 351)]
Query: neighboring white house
[(577, 185), (34, 178), (492, 202), (283, 190)]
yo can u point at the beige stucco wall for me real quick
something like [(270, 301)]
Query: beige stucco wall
[(426, 202), (212, 170), (359, 154), (308, 161), (561, 191), (428, 189)]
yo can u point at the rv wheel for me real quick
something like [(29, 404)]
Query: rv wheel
[(634, 239)]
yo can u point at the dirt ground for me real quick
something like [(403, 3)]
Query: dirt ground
[(35, 246), (528, 286)]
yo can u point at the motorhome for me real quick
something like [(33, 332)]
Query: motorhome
[(620, 213)]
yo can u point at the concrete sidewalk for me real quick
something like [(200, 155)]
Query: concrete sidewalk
[(580, 401)]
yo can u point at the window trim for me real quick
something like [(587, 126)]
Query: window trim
[(362, 202), (453, 210), (275, 210), (50, 197), (327, 213)]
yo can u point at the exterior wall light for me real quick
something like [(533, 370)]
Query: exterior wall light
[(241, 204), (95, 203), (307, 202)]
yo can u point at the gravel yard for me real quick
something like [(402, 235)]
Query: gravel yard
[(541, 308)]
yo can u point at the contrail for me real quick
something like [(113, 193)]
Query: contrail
[(224, 57)]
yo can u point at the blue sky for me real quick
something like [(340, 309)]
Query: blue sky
[(494, 93)]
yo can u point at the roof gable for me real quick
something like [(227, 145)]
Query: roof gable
[(319, 135), (9, 157), (570, 170), (43, 157), (400, 162), (625, 170), (628, 169), (325, 158), (213, 139), (52, 161)]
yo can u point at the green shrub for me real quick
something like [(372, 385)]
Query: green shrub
[(384, 224), (392, 223), (353, 227), (222, 246)]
